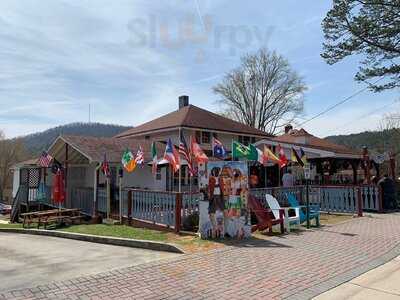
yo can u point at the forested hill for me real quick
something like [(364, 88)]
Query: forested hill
[(374, 140), (37, 142)]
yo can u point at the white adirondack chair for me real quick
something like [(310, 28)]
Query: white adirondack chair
[(288, 221)]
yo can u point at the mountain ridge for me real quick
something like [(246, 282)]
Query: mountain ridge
[(37, 142)]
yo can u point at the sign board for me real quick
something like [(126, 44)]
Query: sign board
[(307, 171), (225, 212)]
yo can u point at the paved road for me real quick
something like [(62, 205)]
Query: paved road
[(295, 266), (29, 260), (380, 283)]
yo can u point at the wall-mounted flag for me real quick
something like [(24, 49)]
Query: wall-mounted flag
[(218, 148), (139, 156), (239, 150), (283, 161), (154, 158), (172, 156), (105, 167), (128, 161), (198, 153), (44, 160), (296, 158), (270, 156), (186, 153), (256, 154), (303, 156)]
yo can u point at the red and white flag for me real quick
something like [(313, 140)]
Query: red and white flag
[(172, 155), (283, 161), (45, 160), (198, 153), (186, 153), (139, 156)]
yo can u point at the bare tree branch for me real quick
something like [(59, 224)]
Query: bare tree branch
[(262, 92)]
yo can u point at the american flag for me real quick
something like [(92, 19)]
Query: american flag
[(45, 160), (186, 153), (140, 156), (105, 167)]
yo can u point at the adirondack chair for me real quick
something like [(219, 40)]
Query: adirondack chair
[(288, 220), (314, 210), (264, 217)]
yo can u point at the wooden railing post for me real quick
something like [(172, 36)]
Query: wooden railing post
[(130, 202), (359, 202), (178, 209)]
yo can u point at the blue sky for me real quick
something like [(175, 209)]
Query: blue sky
[(130, 60)]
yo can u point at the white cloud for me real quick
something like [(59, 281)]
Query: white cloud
[(57, 57)]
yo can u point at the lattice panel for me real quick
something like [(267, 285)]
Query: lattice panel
[(34, 178)]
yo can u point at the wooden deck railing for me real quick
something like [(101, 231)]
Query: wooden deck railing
[(280, 193), (165, 209), (343, 198)]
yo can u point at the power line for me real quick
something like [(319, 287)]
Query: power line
[(372, 112), (339, 103)]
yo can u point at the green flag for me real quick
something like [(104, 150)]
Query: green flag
[(154, 157), (256, 154), (240, 150)]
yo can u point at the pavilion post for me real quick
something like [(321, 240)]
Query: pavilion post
[(95, 189), (66, 162), (120, 194), (108, 189), (354, 166), (367, 165), (180, 167), (359, 202)]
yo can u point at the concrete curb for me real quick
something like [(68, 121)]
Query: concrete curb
[(150, 245)]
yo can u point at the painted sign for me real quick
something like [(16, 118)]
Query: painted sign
[(225, 212)]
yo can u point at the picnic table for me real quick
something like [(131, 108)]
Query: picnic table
[(53, 216)]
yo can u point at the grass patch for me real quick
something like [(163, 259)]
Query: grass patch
[(121, 231), (14, 225), (188, 243)]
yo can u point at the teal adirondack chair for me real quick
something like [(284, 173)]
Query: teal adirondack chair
[(314, 210)]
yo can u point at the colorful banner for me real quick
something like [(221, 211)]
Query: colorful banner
[(227, 190)]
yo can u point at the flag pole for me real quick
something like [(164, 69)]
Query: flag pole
[(180, 166), (232, 150)]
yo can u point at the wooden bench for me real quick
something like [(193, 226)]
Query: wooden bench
[(55, 216)]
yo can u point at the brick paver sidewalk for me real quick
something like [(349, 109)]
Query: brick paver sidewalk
[(296, 266)]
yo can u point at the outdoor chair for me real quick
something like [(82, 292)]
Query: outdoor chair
[(314, 210), (264, 216), (288, 220)]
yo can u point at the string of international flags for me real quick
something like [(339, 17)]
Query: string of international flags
[(193, 153)]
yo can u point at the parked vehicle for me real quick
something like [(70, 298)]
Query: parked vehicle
[(5, 208)]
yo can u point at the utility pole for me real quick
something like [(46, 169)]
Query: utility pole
[(89, 114)]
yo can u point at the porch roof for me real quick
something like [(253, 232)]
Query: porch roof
[(301, 137), (84, 149)]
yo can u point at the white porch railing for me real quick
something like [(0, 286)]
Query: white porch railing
[(345, 199)]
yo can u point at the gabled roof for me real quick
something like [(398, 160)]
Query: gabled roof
[(193, 117), (92, 149), (301, 137)]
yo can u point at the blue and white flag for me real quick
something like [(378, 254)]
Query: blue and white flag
[(219, 150)]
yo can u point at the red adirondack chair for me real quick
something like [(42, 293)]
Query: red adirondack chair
[(264, 216)]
